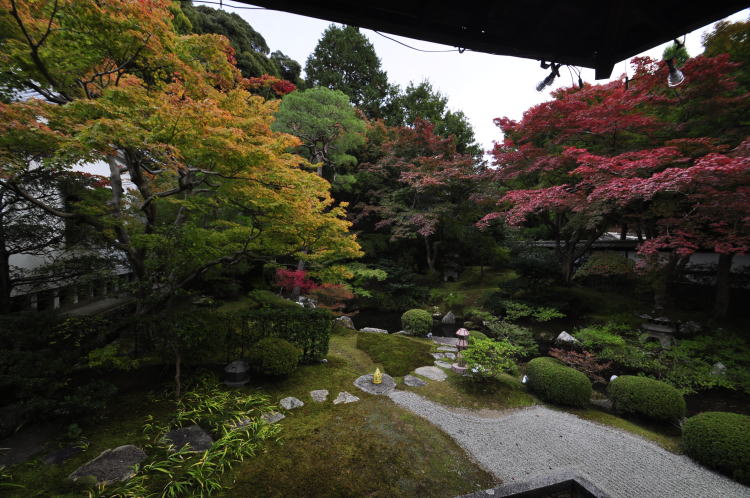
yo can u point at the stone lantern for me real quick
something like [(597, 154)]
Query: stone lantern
[(463, 336), (236, 374), (462, 344)]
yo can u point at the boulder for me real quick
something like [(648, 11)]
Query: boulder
[(690, 328), (110, 466), (346, 321), (432, 373), (345, 397), (718, 369), (565, 338), (291, 403), (373, 330), (319, 396), (365, 383), (411, 381), (193, 436), (449, 319)]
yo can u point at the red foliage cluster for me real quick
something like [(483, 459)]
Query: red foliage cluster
[(584, 361), (332, 296), (279, 86), (291, 279)]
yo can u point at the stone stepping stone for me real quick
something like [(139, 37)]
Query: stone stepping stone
[(291, 403), (365, 383), (412, 381), (319, 396), (273, 417), (432, 373), (110, 466), (62, 455), (450, 356), (442, 364), (438, 356), (194, 437), (450, 349), (345, 397), (450, 341)]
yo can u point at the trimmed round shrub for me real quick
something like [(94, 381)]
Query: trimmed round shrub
[(556, 383), (720, 440), (648, 397), (274, 356), (417, 322)]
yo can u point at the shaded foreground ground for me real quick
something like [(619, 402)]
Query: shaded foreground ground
[(532, 442)]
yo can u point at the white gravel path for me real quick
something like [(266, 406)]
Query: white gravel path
[(533, 442)]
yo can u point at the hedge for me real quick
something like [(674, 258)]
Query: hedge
[(308, 329), (556, 383), (647, 397), (720, 440), (417, 322)]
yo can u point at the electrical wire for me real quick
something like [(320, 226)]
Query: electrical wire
[(224, 4), (459, 50)]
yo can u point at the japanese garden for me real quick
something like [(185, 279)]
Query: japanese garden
[(226, 272)]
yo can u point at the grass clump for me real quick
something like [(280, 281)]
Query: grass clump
[(397, 354), (556, 383), (648, 397), (720, 440)]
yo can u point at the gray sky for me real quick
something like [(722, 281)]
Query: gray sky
[(483, 86)]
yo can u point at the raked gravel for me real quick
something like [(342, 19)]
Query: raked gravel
[(532, 442)]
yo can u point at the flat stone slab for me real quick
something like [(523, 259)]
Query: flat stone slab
[(365, 383), (450, 356), (412, 381), (450, 341), (345, 397), (432, 373), (373, 330), (442, 364), (290, 403), (273, 417), (438, 356), (319, 396), (450, 349), (193, 436), (113, 465)]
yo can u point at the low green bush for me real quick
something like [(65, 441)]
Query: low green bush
[(720, 440), (647, 397), (598, 338), (417, 322), (556, 383), (516, 335), (487, 358), (274, 356)]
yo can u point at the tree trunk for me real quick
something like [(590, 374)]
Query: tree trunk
[(297, 291), (177, 373), (5, 283), (624, 232), (723, 290), (431, 251)]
